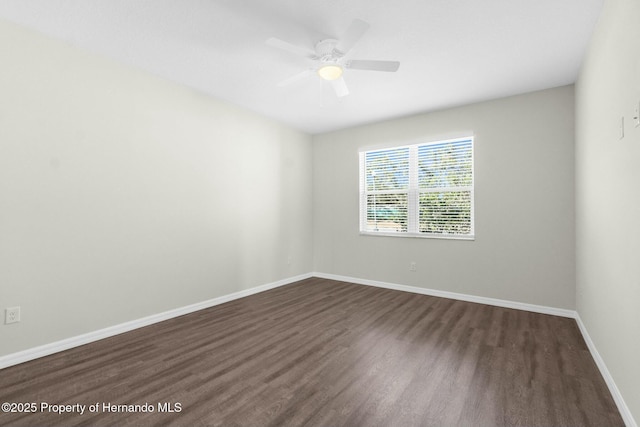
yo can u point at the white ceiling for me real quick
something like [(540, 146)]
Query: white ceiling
[(452, 52)]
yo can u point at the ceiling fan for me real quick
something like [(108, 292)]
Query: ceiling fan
[(329, 57)]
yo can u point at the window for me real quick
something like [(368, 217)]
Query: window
[(421, 190)]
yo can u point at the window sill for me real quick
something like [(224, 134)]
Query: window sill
[(417, 235)]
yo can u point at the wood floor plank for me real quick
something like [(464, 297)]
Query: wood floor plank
[(326, 353)]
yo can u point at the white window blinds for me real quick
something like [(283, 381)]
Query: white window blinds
[(421, 190)]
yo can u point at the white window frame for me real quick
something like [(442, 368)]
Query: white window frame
[(413, 194)]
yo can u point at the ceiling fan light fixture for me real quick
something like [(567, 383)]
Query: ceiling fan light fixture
[(330, 72)]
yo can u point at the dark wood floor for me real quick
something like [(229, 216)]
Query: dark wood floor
[(327, 353)]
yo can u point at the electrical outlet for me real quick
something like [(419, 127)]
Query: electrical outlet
[(12, 315), (636, 116), (289, 260), (412, 266)]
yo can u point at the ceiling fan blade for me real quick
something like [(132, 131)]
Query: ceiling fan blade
[(340, 86), (298, 50), (355, 31), (372, 65), (295, 78)]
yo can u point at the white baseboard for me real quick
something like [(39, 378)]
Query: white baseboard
[(453, 295), (66, 344), (613, 388)]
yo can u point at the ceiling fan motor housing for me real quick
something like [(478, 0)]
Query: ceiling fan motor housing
[(326, 50)]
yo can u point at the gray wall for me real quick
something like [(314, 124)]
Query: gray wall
[(608, 195), (524, 203), (123, 195)]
